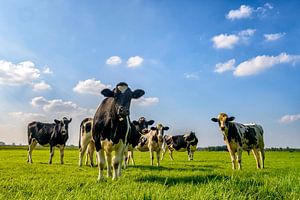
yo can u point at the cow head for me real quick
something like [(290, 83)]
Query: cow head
[(189, 137), (160, 130), (223, 121), (122, 95), (142, 124), (62, 125)]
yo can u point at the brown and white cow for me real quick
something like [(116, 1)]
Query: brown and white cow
[(86, 142), (239, 137), (153, 141)]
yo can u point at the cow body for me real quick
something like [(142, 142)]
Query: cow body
[(181, 143), (111, 126), (86, 142), (138, 128), (52, 134), (152, 142), (239, 137)]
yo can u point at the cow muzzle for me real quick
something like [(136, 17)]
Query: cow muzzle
[(122, 111)]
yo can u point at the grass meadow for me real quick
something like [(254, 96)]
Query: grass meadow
[(209, 176)]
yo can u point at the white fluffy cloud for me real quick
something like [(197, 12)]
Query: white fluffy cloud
[(274, 36), (18, 74), (27, 116), (192, 76), (223, 67), (261, 63), (114, 60), (146, 101), (243, 12), (90, 86), (289, 118), (135, 61), (41, 86), (224, 41), (47, 70)]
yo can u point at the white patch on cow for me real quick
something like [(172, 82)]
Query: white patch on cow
[(122, 88)]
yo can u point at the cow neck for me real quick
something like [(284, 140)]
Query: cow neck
[(232, 133)]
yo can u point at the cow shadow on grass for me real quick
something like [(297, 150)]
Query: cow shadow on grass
[(170, 168), (170, 181)]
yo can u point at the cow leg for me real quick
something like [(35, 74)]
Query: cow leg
[(101, 164), (126, 157), (151, 157), (30, 149), (239, 158), (62, 152), (117, 161), (51, 154), (256, 155), (91, 149), (171, 154), (81, 153), (232, 156), (131, 157), (158, 159), (108, 163), (262, 156)]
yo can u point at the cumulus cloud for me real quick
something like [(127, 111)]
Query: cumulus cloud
[(27, 116), (41, 86), (114, 60), (135, 61), (90, 86), (47, 70), (273, 37), (243, 12), (192, 76), (289, 118), (146, 101), (18, 74), (261, 63), (223, 67)]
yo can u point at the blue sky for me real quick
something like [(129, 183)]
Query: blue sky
[(194, 59)]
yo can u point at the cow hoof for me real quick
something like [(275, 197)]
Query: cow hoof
[(102, 179)]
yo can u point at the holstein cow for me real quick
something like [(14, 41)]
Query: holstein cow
[(138, 128), (153, 141), (86, 142), (187, 142), (53, 134), (239, 137), (111, 126)]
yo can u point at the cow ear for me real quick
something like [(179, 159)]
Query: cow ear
[(135, 122), (166, 128), (214, 119), (153, 128), (107, 93), (56, 121), (230, 119), (137, 93), (150, 122)]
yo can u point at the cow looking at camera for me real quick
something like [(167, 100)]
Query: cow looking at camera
[(53, 134), (239, 137), (111, 126)]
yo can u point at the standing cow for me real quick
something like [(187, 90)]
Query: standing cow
[(153, 141), (86, 142), (53, 134), (111, 126), (138, 128), (239, 137), (187, 142)]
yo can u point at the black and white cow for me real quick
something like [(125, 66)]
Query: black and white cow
[(53, 134), (138, 128), (111, 126), (187, 142), (239, 137), (153, 141), (86, 142)]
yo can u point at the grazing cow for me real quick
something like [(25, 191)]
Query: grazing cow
[(86, 142), (111, 126), (239, 137), (53, 134), (153, 141), (187, 142), (138, 128)]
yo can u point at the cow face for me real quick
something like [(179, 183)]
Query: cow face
[(62, 125), (142, 124), (122, 95), (223, 121), (160, 130), (189, 137)]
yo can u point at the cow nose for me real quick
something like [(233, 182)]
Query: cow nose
[(123, 111), (222, 128)]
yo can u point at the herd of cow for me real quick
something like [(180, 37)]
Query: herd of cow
[(111, 130)]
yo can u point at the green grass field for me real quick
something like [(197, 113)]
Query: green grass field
[(209, 176)]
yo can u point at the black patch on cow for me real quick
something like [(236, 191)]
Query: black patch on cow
[(142, 140), (155, 138), (88, 127), (250, 136), (233, 134), (178, 142)]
